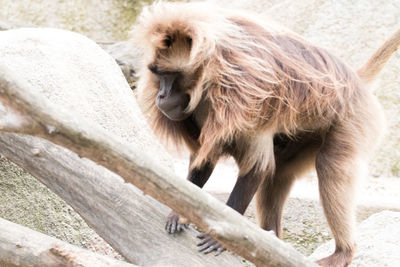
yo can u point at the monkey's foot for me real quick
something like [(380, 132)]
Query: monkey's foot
[(337, 259), (173, 225), (208, 244)]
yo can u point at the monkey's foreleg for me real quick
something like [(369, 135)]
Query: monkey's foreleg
[(243, 192), (199, 177)]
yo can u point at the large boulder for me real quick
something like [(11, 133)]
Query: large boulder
[(50, 61)]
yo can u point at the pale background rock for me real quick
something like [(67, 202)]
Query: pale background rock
[(126, 55), (378, 242), (27, 202), (101, 20)]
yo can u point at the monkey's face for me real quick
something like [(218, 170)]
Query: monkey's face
[(171, 99), (171, 74)]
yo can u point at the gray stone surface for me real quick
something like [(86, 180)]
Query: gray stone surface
[(100, 20), (126, 55), (51, 60), (378, 242), (25, 201)]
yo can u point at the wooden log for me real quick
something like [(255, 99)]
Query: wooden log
[(21, 246)]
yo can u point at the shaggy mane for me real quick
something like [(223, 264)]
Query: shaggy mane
[(253, 73)]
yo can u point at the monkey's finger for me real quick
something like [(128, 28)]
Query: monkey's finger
[(207, 245), (202, 235), (204, 241), (211, 248), (220, 250), (173, 227), (186, 225), (168, 226), (204, 247)]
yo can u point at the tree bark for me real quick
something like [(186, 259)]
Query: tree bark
[(21, 246), (34, 115)]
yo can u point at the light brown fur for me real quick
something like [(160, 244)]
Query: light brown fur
[(278, 104)]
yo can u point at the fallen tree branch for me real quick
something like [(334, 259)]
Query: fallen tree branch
[(21, 246), (34, 115), (129, 221)]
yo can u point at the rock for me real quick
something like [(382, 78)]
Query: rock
[(51, 60), (8, 25), (124, 53), (127, 56), (43, 58), (27, 202), (100, 20), (378, 242)]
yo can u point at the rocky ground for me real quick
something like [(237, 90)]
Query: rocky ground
[(304, 224)]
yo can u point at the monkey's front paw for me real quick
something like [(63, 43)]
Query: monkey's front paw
[(208, 244), (173, 225)]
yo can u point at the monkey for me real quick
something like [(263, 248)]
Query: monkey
[(226, 83)]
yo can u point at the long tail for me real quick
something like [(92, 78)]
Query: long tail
[(374, 65)]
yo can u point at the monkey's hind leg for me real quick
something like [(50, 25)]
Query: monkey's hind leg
[(338, 166), (270, 199), (273, 191)]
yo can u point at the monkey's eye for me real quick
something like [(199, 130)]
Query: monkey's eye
[(167, 41), (153, 68)]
